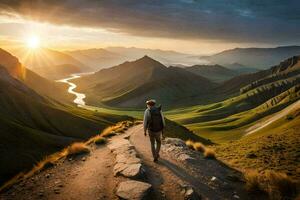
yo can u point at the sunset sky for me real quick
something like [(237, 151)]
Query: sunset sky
[(192, 26)]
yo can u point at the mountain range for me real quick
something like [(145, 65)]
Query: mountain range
[(260, 58), (130, 84), (111, 56)]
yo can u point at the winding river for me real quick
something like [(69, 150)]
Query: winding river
[(79, 97)]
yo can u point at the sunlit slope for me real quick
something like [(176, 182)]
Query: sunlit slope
[(41, 85), (130, 84), (32, 126), (49, 63), (274, 147), (258, 99)]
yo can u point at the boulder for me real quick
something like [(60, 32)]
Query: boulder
[(133, 190), (191, 194), (175, 142), (129, 170)]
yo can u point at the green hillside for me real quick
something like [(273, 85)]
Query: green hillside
[(225, 120), (275, 147), (33, 126)]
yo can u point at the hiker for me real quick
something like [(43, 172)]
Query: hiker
[(154, 122)]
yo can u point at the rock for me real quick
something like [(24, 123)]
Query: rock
[(236, 196), (41, 194), (175, 142), (127, 158), (251, 155), (47, 175), (184, 157), (129, 170), (133, 190), (83, 159), (48, 165), (213, 178), (56, 191), (190, 194)]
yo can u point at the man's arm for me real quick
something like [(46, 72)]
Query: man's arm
[(164, 123), (146, 120)]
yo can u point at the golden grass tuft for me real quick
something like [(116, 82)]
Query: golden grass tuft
[(209, 153), (189, 144), (276, 184), (77, 148), (198, 146), (253, 181), (280, 186), (100, 140)]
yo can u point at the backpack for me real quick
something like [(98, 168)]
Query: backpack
[(156, 121)]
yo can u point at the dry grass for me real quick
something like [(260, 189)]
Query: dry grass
[(100, 140), (78, 148), (209, 153), (280, 186), (74, 149), (277, 185), (198, 146), (253, 182), (189, 144)]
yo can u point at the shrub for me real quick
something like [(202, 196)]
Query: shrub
[(198, 146), (77, 149), (190, 144), (100, 140), (280, 186), (253, 182), (209, 153)]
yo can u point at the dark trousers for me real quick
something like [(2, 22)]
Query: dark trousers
[(155, 139)]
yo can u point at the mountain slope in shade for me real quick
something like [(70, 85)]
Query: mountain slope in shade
[(132, 83), (33, 127), (39, 84), (261, 58), (49, 63), (216, 73), (285, 68)]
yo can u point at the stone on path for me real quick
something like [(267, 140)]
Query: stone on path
[(133, 190)]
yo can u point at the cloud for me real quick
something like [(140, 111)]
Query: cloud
[(264, 21)]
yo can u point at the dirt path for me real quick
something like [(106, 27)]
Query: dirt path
[(91, 176), (88, 177), (169, 176), (272, 119)]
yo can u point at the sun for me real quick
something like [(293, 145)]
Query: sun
[(33, 42)]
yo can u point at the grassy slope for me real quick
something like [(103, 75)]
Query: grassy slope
[(276, 147), (32, 126)]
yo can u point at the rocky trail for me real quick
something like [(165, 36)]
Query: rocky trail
[(123, 169)]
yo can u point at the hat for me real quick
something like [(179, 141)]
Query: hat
[(151, 102)]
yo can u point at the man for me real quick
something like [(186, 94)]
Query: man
[(154, 122)]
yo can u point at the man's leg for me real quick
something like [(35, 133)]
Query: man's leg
[(152, 141), (158, 143)]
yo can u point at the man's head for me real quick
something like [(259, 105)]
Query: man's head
[(150, 103)]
